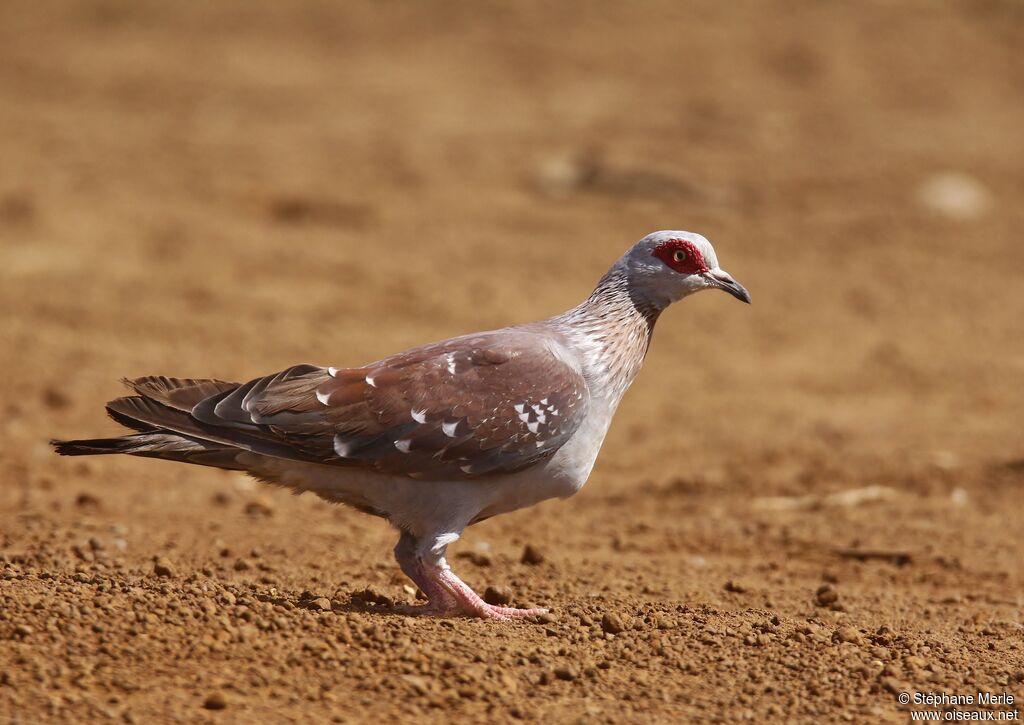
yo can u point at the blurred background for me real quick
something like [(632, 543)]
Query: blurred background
[(225, 189)]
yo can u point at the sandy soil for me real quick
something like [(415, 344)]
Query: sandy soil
[(805, 507)]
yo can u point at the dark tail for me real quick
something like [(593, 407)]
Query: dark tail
[(166, 429), (165, 445), (96, 446), (161, 396)]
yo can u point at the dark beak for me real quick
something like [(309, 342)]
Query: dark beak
[(723, 280)]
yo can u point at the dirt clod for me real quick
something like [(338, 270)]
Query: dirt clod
[(826, 595), (215, 701), (612, 623), (477, 558), (56, 399), (567, 673), (87, 500), (498, 595), (532, 555), (372, 596), (849, 635), (260, 506), (163, 568)]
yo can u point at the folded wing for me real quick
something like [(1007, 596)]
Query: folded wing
[(489, 403)]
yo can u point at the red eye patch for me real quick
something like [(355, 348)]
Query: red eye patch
[(682, 256)]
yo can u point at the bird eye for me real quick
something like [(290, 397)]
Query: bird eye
[(679, 256)]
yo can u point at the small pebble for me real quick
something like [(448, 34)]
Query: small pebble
[(499, 596), (261, 506), (848, 634), (826, 595), (479, 558), (612, 623), (162, 567), (86, 500), (55, 399), (215, 701), (532, 555), (220, 499), (567, 673)]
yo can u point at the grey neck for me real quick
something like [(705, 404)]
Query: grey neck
[(612, 329)]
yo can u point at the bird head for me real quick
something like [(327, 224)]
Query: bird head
[(666, 266)]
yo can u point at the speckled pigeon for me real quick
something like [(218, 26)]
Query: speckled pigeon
[(442, 436)]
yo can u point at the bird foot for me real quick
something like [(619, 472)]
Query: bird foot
[(452, 597), (507, 613), (483, 610), (447, 595), (469, 602)]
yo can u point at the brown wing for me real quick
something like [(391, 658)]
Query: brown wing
[(490, 403)]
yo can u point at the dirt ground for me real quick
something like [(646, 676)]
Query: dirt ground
[(804, 508)]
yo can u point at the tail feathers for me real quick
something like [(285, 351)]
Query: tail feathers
[(146, 415), (151, 417), (179, 393), (161, 414), (95, 446), (168, 446)]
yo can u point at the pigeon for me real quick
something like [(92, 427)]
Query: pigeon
[(439, 437)]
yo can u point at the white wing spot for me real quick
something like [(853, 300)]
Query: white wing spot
[(342, 447), (544, 401), (420, 416), (403, 445), (520, 407), (466, 469), (541, 418), (319, 396), (369, 381), (524, 417), (533, 426), (539, 444), (449, 428)]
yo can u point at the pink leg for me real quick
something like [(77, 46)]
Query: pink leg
[(448, 595), (440, 601), (470, 602)]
